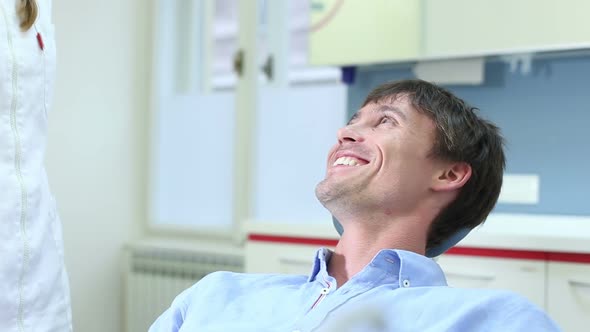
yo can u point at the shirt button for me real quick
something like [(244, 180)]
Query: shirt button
[(325, 291), (406, 283)]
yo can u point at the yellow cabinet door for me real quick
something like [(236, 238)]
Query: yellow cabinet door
[(345, 32)]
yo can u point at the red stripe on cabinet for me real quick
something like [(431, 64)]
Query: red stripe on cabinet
[(500, 253), (465, 251), (292, 240), (569, 257)]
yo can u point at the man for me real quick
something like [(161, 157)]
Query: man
[(412, 170)]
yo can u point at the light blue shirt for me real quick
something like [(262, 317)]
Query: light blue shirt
[(398, 291)]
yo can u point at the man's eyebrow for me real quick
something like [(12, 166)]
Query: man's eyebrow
[(354, 117), (387, 108), (380, 109)]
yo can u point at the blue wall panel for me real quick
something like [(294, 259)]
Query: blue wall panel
[(544, 116)]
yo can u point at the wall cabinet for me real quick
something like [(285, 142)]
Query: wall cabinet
[(459, 27), (356, 32), (384, 31)]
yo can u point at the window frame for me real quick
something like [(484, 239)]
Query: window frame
[(245, 88)]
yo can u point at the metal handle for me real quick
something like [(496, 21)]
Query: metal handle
[(578, 283), (294, 261), (471, 276), (267, 68), (239, 63)]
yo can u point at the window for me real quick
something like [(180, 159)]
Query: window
[(226, 150)]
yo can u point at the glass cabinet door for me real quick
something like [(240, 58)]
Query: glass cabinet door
[(300, 108)]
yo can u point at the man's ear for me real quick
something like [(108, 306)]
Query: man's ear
[(452, 176)]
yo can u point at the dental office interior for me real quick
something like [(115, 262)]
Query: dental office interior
[(188, 136)]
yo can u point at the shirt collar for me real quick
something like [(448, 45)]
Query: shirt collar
[(409, 269), (320, 263)]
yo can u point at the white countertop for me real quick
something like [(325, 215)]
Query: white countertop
[(554, 233)]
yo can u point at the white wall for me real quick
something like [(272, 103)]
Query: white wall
[(97, 147)]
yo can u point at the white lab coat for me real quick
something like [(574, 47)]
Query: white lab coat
[(34, 291)]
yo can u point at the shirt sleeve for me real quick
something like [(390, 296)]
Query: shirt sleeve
[(524, 316), (171, 320)]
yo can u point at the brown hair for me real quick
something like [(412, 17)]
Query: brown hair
[(461, 136), (27, 11)]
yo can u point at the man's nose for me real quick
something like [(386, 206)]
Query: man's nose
[(349, 134)]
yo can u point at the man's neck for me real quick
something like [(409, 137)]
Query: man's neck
[(359, 245)]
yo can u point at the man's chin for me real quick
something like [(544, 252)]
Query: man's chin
[(329, 193), (325, 192)]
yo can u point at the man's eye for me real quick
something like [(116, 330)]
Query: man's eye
[(387, 120)]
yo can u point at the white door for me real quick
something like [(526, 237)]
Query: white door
[(230, 147)]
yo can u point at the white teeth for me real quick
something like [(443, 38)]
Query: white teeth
[(347, 161)]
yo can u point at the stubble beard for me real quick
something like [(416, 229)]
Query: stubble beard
[(337, 196)]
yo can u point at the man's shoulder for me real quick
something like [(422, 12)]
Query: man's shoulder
[(488, 294), (239, 282), (252, 278), (222, 289), (484, 297), (443, 308), (495, 306)]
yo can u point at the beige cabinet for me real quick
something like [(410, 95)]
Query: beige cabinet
[(525, 277), (569, 295), (265, 257), (344, 32), (483, 27), (359, 32)]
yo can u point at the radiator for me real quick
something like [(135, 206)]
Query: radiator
[(154, 276)]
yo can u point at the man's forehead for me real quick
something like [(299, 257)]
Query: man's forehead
[(399, 104), (399, 99)]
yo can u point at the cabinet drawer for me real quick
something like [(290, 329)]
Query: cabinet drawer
[(526, 277), (569, 295)]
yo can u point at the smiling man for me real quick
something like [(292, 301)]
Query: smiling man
[(411, 173)]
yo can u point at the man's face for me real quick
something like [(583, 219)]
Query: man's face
[(382, 160)]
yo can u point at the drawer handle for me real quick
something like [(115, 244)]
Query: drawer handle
[(471, 276), (578, 283), (291, 261)]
